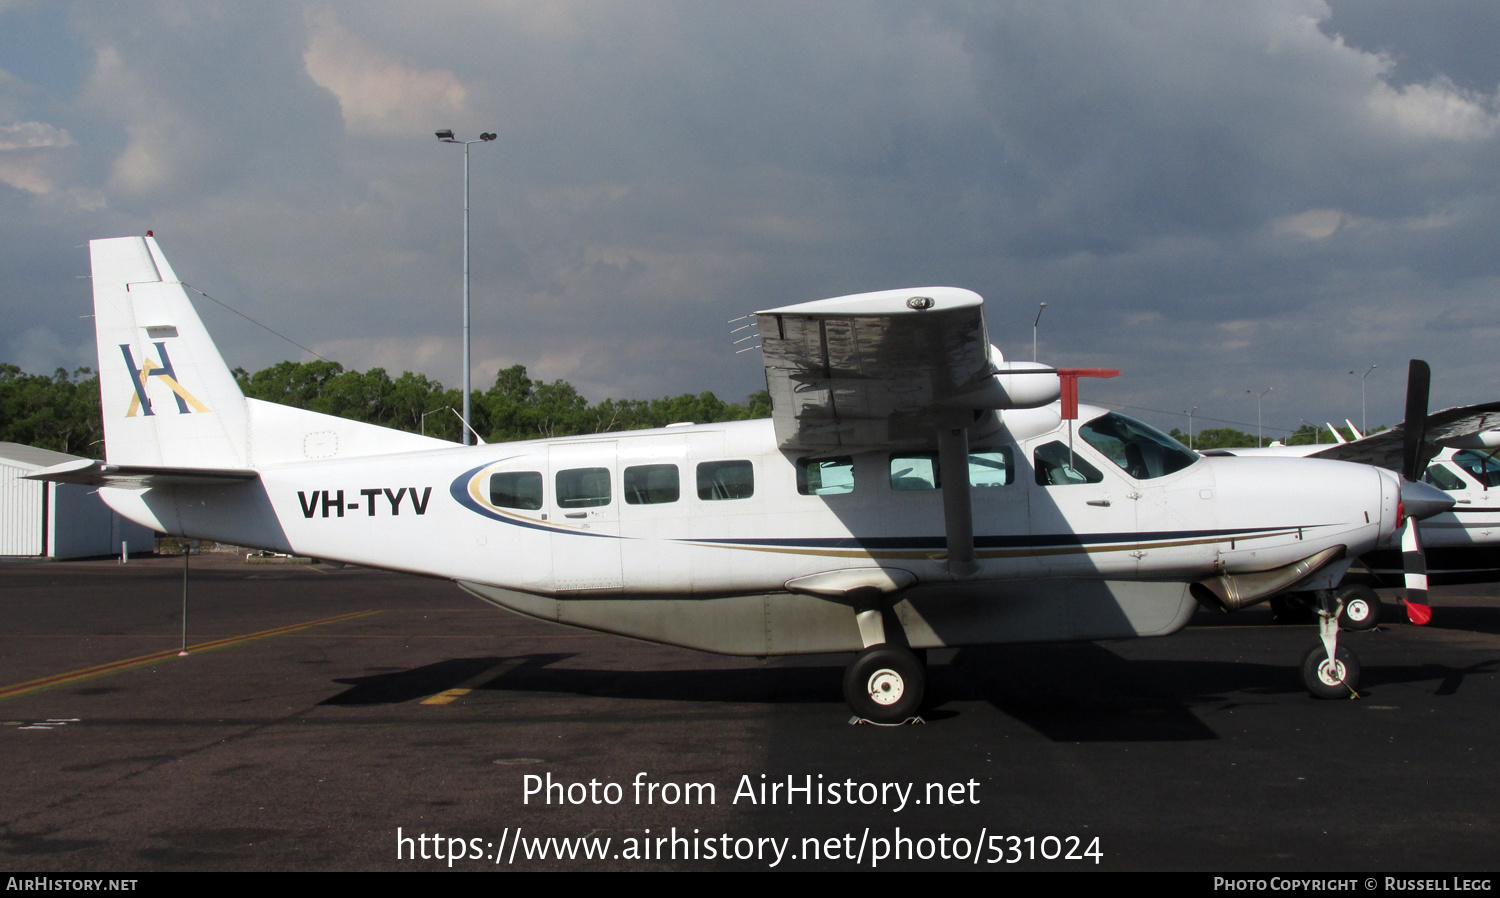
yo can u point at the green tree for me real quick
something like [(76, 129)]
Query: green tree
[(60, 412)]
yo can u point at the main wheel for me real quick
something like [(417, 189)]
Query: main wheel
[(884, 684), (1361, 608), (1330, 680)]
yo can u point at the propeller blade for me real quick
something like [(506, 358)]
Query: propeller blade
[(1418, 383), (1415, 562)]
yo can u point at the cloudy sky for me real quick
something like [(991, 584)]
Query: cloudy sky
[(1215, 197)]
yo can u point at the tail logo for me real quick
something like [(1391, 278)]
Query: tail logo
[(140, 403)]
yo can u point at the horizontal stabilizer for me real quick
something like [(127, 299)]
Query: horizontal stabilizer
[(92, 472)]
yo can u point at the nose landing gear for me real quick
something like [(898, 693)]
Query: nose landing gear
[(1328, 669)]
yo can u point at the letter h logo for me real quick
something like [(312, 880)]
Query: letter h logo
[(140, 402)]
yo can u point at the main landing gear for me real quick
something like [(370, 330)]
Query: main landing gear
[(1330, 670), (1361, 607), (885, 684)]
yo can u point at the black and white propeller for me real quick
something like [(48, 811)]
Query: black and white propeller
[(1418, 500)]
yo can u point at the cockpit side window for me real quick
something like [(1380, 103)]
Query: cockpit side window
[(1444, 479), (1484, 468), (1057, 465), (1141, 451)]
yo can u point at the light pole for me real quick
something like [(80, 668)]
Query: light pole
[(1040, 309), (446, 136), (1189, 414), (1364, 425), (1258, 398)]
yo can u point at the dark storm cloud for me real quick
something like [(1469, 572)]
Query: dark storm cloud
[(1209, 195)]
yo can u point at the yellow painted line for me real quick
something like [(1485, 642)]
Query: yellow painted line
[(155, 657), (447, 696)]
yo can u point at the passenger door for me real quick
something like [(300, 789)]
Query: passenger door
[(586, 507)]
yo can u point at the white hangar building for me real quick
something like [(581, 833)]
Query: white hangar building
[(58, 520)]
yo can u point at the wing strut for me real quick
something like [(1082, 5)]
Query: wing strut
[(958, 512)]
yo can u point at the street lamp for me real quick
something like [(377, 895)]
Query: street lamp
[(446, 136), (1189, 414), (1034, 324), (1317, 434), (1364, 425), (1258, 398)]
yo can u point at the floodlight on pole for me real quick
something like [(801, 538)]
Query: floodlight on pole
[(1189, 414), (1364, 425), (1258, 398), (446, 136)]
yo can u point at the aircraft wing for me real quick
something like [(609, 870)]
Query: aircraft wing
[(886, 369), (92, 472), (1458, 427)]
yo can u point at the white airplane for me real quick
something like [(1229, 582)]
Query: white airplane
[(1463, 544), (912, 491), (1457, 448)]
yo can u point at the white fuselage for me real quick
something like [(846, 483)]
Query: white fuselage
[(434, 512)]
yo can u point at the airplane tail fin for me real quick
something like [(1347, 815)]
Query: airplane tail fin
[(167, 397)]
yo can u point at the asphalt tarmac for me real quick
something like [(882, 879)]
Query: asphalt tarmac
[(346, 719)]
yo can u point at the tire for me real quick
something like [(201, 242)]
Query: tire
[(1330, 681), (885, 684), (1361, 608)]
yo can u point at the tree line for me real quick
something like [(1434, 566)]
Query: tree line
[(61, 412)]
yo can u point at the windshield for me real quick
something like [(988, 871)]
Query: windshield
[(1141, 451)]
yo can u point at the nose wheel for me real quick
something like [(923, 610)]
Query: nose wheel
[(1330, 670), (885, 684)]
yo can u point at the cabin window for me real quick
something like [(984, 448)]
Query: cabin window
[(1444, 479), (991, 467), (1484, 468), (1057, 465), (825, 476), (914, 471), (651, 484), (1140, 450), (516, 489), (725, 480), (919, 470), (582, 487)]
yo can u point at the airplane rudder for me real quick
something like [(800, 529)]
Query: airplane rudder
[(167, 396)]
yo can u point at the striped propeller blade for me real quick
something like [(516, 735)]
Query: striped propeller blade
[(1415, 562)]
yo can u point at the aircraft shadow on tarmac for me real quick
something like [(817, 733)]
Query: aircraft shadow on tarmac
[(1074, 692)]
